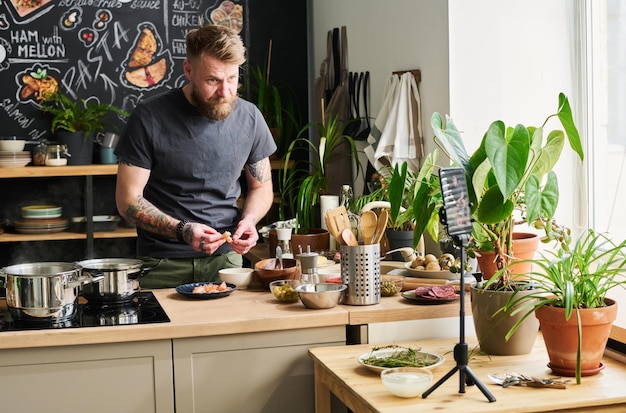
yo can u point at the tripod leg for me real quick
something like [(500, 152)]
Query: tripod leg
[(479, 384), (440, 382)]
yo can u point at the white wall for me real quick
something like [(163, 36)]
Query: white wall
[(385, 36), (481, 60)]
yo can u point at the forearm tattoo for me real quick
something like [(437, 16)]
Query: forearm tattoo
[(261, 171), (146, 216)]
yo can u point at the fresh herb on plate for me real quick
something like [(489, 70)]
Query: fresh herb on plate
[(403, 357)]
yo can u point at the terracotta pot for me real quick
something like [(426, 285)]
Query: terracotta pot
[(491, 328), (561, 337), (317, 238), (524, 248)]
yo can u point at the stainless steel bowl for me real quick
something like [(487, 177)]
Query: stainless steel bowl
[(322, 295), (43, 291), (120, 282)]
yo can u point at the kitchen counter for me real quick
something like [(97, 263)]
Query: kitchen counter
[(244, 311)]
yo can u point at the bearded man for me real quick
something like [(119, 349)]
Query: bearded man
[(181, 159)]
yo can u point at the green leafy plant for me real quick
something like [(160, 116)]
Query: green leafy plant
[(275, 101), (414, 198), (302, 184), (76, 115), (511, 170), (575, 276)]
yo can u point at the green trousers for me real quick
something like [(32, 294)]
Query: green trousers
[(172, 272)]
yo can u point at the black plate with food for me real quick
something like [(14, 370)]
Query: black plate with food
[(206, 290), (423, 296)]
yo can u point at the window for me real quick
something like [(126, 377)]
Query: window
[(606, 122)]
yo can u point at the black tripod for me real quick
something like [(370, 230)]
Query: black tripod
[(466, 375), (456, 216)]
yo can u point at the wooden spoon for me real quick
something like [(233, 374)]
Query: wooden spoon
[(348, 237), (380, 226), (368, 226)]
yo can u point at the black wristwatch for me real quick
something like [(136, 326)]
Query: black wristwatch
[(179, 229)]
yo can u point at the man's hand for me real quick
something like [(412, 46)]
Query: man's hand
[(203, 238), (245, 236)]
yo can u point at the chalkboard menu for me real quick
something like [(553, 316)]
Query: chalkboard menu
[(113, 51)]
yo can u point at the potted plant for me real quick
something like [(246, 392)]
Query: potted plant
[(511, 171), (302, 184), (569, 298), (275, 102), (413, 199), (74, 121)]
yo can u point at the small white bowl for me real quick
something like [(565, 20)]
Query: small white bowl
[(407, 381), (12, 145), (241, 277)]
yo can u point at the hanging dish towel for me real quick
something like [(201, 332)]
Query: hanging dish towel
[(396, 135)]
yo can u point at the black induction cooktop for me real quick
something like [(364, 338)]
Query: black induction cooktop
[(144, 308)]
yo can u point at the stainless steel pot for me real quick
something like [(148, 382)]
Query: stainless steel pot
[(120, 281), (44, 292)]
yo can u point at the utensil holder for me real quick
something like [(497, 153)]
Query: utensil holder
[(360, 271)]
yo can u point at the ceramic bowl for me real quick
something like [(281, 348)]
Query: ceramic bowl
[(241, 277), (406, 381), (267, 272), (12, 145)]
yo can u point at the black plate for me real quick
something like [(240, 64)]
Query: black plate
[(187, 290), (410, 295)]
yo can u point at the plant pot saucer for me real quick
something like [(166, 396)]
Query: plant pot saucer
[(572, 372)]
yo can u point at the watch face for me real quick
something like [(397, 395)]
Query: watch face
[(455, 201)]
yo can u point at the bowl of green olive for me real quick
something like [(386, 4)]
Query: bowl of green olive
[(391, 284), (285, 290)]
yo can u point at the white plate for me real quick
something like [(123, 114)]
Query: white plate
[(435, 358), (439, 275)]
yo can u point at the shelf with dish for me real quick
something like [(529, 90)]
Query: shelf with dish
[(121, 232)]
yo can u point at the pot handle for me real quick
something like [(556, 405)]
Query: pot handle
[(87, 278), (141, 273)]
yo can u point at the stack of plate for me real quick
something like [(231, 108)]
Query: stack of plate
[(41, 219), (9, 159)]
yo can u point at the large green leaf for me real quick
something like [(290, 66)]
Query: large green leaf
[(508, 157), (396, 191), (493, 208), (549, 154), (450, 140), (541, 203), (567, 120)]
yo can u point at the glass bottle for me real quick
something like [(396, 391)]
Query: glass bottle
[(55, 155), (284, 241), (345, 198)]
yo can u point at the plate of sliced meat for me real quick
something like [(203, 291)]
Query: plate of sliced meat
[(435, 294)]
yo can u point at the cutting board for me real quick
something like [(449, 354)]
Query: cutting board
[(411, 283)]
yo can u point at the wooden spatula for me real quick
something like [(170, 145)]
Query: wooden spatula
[(381, 224)]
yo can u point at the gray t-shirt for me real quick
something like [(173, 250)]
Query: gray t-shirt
[(195, 163)]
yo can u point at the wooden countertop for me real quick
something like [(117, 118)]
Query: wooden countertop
[(244, 311), (337, 370)]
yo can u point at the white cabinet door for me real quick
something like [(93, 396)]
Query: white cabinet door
[(249, 373), (104, 378)]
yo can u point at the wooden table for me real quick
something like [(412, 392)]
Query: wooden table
[(361, 390)]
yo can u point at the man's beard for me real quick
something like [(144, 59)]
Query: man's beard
[(217, 108)]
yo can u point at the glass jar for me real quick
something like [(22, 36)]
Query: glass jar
[(55, 155), (39, 154)]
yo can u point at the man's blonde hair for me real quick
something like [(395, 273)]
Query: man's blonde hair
[(216, 41)]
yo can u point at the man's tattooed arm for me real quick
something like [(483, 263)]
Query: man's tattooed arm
[(146, 216)]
